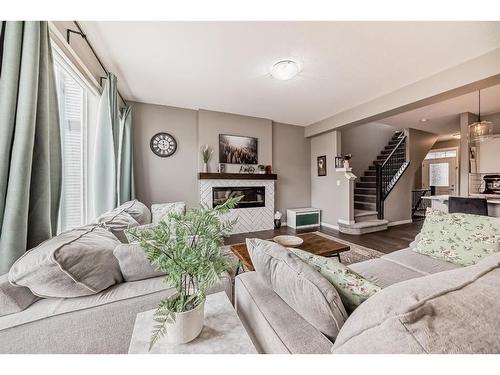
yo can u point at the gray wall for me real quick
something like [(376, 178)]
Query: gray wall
[(330, 192), (211, 124), (176, 178), (446, 144), (291, 161), (165, 179), (398, 203), (365, 142)]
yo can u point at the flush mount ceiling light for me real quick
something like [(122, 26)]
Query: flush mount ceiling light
[(424, 119), (481, 129), (285, 69)]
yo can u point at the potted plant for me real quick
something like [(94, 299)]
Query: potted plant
[(188, 249), (261, 168), (206, 154)]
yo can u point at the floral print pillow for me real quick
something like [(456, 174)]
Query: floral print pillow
[(462, 239), (132, 239), (353, 289)]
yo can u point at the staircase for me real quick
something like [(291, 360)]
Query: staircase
[(372, 189)]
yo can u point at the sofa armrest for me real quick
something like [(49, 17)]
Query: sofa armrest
[(273, 326)]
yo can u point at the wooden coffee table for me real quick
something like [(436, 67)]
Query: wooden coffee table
[(313, 243)]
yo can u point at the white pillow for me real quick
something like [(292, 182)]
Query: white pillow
[(160, 211)]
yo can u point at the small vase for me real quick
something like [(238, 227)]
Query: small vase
[(187, 325), (205, 167), (277, 223), (346, 164)]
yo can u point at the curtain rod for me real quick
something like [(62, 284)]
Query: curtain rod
[(84, 37)]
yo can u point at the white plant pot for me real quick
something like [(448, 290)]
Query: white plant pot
[(187, 325), (205, 167)]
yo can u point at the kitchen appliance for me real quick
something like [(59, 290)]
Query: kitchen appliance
[(492, 184)]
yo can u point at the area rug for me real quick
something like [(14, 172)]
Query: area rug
[(357, 253)]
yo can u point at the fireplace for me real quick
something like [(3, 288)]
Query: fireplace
[(253, 196)]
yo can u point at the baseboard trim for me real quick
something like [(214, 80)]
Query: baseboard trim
[(400, 222), (331, 226)]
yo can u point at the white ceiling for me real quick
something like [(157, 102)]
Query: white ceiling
[(444, 117), (224, 66)]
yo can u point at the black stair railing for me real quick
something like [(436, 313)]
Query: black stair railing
[(388, 173)]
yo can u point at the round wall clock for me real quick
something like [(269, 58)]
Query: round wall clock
[(163, 145)]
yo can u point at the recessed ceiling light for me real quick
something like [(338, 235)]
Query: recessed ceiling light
[(423, 119), (285, 69)]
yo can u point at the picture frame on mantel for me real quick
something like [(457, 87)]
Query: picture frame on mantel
[(322, 166), (237, 149)]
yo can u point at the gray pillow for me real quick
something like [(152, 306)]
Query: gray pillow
[(299, 285), (134, 263), (75, 263), (117, 223), (14, 299), (137, 210), (448, 312)]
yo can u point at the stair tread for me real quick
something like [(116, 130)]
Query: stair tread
[(361, 213), (367, 224)]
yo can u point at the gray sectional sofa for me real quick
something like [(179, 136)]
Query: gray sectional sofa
[(426, 306), (88, 322)]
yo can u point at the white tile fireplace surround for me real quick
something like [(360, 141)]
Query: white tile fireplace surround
[(250, 219)]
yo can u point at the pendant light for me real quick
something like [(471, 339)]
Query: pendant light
[(481, 129)]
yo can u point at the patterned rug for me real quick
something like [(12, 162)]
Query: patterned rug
[(356, 254)]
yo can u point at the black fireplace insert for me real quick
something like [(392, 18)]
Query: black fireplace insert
[(253, 196)]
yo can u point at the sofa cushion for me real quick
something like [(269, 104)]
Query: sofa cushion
[(134, 263), (160, 211), (352, 288), (419, 262), (448, 312), (75, 263), (14, 298), (299, 285), (458, 238), (273, 326), (384, 272)]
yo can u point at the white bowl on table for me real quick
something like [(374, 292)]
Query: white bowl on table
[(288, 241)]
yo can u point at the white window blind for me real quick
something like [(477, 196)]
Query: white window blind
[(71, 96)]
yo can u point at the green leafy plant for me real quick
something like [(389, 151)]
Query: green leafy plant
[(188, 249), (206, 153)]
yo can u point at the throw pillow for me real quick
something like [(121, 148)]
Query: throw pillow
[(75, 263), (453, 311), (14, 299), (131, 239), (299, 285), (463, 239), (160, 211), (353, 288), (134, 263), (117, 223)]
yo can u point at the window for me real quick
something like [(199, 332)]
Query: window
[(441, 154), (72, 97)]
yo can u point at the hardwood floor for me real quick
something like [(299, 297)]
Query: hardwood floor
[(392, 239)]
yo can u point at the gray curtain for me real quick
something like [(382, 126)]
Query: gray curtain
[(113, 175), (30, 144), (126, 188)]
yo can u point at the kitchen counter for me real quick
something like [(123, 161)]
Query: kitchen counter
[(440, 202)]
